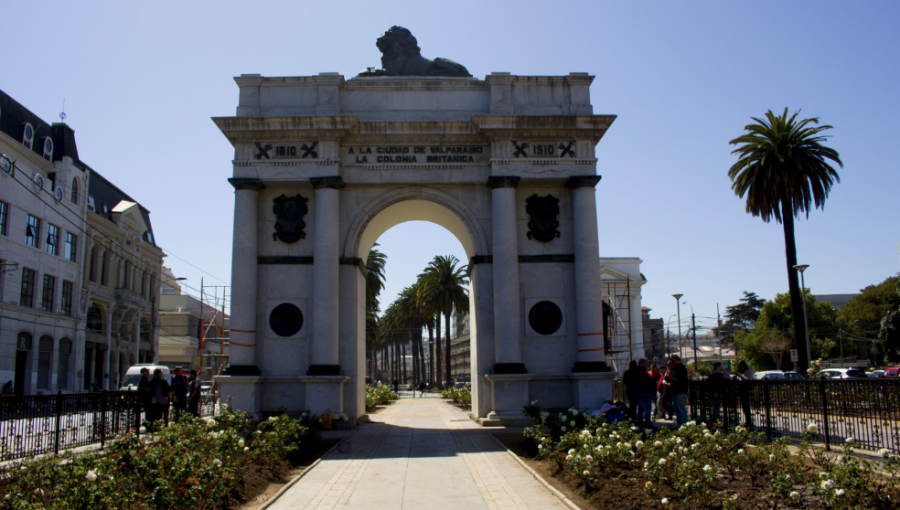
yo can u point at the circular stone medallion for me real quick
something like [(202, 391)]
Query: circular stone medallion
[(545, 318), (286, 320)]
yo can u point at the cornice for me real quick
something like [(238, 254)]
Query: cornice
[(246, 183), (583, 181), (503, 181), (313, 127), (328, 182), (591, 127)]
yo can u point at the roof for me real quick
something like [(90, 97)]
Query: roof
[(106, 193), (13, 117)]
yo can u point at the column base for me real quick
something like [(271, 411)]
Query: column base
[(242, 370), (325, 393), (591, 390), (241, 392), (590, 366), (316, 370), (509, 368)]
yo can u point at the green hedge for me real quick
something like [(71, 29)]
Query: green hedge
[(379, 396), (458, 395)]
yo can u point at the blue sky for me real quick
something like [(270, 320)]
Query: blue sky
[(141, 81)]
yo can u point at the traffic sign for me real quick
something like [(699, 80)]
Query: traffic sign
[(795, 355)]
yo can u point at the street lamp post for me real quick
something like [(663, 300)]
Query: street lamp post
[(668, 341), (802, 268), (678, 302)]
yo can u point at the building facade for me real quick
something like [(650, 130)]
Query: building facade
[(76, 254), (461, 349)]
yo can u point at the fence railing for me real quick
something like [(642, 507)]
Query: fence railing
[(866, 410), (39, 424)]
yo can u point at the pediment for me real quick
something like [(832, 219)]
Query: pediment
[(131, 213), (611, 274)]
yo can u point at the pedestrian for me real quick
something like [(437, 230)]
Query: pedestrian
[(628, 381), (422, 387), (716, 383), (679, 390), (159, 399), (745, 375), (179, 393), (193, 398), (666, 389), (655, 376), (8, 389), (144, 395), (643, 392), (396, 386)]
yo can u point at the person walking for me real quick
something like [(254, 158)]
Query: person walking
[(144, 395), (716, 383), (745, 375), (655, 376), (422, 387), (679, 390), (628, 381), (159, 396), (643, 391), (179, 393), (665, 392), (193, 399)]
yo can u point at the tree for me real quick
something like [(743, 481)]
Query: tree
[(443, 291), (783, 170), (890, 335), (741, 317), (863, 314), (375, 263), (774, 344)]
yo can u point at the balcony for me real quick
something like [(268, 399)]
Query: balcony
[(127, 296)]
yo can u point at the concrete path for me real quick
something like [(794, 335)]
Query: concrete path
[(418, 453)]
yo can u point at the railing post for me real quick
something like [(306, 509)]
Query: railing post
[(58, 419), (137, 407), (768, 404), (824, 396), (103, 407)]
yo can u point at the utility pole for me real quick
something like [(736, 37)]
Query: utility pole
[(719, 331), (694, 327), (680, 340)]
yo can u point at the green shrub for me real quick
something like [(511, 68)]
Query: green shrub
[(458, 395), (381, 395)]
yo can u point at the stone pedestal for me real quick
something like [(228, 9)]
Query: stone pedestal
[(591, 390), (324, 392), (244, 392), (509, 394)]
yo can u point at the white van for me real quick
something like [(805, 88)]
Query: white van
[(133, 375)]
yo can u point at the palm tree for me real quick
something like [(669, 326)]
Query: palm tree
[(783, 171), (444, 290), (375, 263)]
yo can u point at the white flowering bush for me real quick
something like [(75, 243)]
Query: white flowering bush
[(698, 467), (194, 464), (458, 395), (381, 395)]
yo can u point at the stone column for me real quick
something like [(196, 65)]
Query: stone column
[(326, 256), (242, 355), (588, 300), (507, 305), (109, 324)]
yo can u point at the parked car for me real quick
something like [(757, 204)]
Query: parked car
[(133, 375), (876, 373), (892, 372), (769, 375), (793, 375), (845, 373)]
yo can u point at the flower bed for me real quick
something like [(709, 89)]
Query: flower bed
[(197, 464), (620, 465), (462, 396), (381, 395)]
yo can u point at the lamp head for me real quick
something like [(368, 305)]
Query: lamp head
[(677, 296), (801, 267)]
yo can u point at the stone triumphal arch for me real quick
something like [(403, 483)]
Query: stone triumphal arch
[(324, 165)]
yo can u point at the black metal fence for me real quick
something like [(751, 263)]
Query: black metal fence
[(38, 424), (866, 410)]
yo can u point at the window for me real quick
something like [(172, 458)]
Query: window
[(26, 297), (48, 149), (28, 135), (103, 268), (62, 370), (93, 261), (67, 297), (4, 218), (95, 319), (74, 196), (47, 297), (32, 231), (71, 245), (45, 355), (52, 246), (91, 205)]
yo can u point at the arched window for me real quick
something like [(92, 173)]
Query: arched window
[(95, 319), (62, 369), (74, 196), (145, 330), (48, 149), (28, 136), (23, 342), (45, 355)]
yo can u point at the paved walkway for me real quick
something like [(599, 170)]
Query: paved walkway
[(418, 453)]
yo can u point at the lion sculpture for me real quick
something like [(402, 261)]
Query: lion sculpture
[(401, 56)]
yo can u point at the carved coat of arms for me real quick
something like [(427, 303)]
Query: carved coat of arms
[(290, 212), (543, 212)]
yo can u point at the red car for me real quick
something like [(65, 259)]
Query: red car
[(892, 372)]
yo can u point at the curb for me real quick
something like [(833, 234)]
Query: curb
[(297, 478), (553, 490)]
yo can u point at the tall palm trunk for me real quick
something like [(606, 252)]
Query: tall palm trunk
[(438, 369), (403, 379), (431, 350), (421, 355), (790, 249), (449, 371)]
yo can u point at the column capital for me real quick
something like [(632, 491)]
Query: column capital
[(249, 183), (583, 181), (328, 182), (503, 181)]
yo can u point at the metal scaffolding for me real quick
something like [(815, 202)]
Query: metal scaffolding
[(213, 299), (619, 350)]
